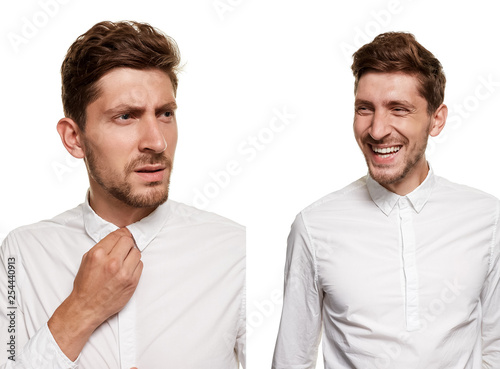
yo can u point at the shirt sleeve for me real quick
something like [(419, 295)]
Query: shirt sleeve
[(490, 302), (300, 328), (23, 352), (240, 346)]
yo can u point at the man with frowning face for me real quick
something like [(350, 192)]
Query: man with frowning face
[(129, 278), (400, 269)]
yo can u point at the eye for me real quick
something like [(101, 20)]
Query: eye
[(124, 116), (399, 110), (362, 110), (167, 116)]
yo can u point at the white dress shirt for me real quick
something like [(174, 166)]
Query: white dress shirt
[(188, 310), (401, 282)]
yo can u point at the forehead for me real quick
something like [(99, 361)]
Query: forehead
[(134, 87), (382, 86)]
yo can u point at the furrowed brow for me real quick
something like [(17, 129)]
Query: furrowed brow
[(168, 106), (124, 108)]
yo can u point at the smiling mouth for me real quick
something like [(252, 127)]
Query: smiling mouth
[(385, 152)]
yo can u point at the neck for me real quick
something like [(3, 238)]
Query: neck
[(412, 180), (113, 210)]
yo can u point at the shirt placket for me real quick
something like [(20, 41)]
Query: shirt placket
[(127, 334), (412, 314)]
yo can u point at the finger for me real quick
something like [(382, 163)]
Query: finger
[(132, 260), (138, 271), (125, 231), (109, 242), (122, 248)]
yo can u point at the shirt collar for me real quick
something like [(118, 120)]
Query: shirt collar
[(386, 200), (143, 231)]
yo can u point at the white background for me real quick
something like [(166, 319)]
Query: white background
[(244, 60)]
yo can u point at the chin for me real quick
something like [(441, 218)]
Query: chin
[(385, 177), (150, 197)]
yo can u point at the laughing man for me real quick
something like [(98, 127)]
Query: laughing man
[(400, 269)]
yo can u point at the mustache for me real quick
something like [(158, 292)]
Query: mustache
[(151, 159), (385, 141)]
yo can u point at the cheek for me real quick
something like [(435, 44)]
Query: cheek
[(113, 149), (416, 131), (359, 127)]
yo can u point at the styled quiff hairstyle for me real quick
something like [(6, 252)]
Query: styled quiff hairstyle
[(106, 46), (400, 52)]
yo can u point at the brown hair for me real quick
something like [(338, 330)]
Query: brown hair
[(109, 45), (400, 52)]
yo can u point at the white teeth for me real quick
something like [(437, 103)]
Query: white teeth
[(386, 150)]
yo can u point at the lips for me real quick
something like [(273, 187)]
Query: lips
[(151, 172), (385, 151), (384, 154), (150, 168)]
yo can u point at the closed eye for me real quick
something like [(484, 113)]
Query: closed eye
[(362, 110), (400, 111)]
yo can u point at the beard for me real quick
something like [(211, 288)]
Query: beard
[(118, 185), (413, 155)]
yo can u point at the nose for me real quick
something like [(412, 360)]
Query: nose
[(379, 127), (152, 138)]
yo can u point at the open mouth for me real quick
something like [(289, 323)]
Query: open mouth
[(149, 171), (152, 168), (385, 152)]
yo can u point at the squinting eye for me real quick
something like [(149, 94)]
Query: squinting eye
[(400, 110), (124, 116), (361, 110)]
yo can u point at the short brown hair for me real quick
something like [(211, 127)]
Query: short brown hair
[(400, 52), (109, 45)]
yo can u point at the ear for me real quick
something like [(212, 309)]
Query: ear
[(438, 120), (71, 137)]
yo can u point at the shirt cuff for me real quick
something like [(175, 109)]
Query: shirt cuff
[(42, 351)]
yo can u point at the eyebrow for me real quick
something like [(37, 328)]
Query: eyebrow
[(172, 105), (405, 103), (362, 102), (389, 103)]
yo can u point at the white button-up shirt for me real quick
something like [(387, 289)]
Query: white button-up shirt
[(188, 310), (399, 282)]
